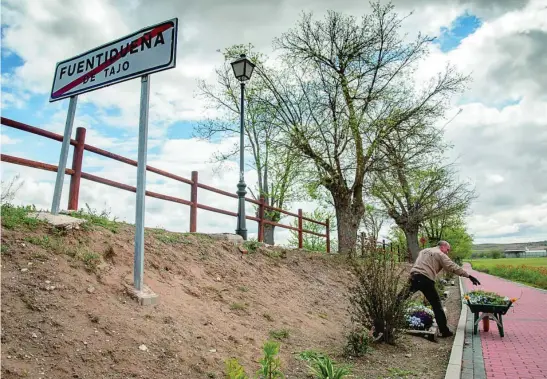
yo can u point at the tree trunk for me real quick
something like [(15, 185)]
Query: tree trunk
[(411, 234), (348, 219), (269, 234), (269, 230)]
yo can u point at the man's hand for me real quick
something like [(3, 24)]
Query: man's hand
[(474, 280)]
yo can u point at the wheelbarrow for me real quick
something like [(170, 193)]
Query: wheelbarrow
[(490, 311)]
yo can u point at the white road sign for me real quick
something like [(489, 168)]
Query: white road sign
[(151, 49)]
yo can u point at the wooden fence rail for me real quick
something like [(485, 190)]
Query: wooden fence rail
[(76, 174)]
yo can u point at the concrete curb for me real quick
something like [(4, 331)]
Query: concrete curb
[(454, 368)]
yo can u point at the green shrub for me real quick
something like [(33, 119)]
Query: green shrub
[(91, 260), (270, 365), (251, 245), (496, 254), (375, 295), (279, 334), (358, 343), (234, 370)]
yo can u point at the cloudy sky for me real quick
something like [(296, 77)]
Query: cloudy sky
[(499, 138)]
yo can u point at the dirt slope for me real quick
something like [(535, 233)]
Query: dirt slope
[(66, 312)]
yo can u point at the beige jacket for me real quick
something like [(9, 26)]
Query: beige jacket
[(432, 260)]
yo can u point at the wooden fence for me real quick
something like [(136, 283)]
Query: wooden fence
[(76, 174), (402, 252)]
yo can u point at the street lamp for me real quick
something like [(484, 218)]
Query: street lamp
[(243, 69)]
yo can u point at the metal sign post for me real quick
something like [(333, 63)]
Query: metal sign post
[(64, 155), (138, 271), (149, 50)]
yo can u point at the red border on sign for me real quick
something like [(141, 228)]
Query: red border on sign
[(153, 33)]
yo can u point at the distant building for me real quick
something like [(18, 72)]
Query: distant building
[(525, 253)]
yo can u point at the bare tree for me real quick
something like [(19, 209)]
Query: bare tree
[(345, 86), (10, 188), (373, 220), (276, 168), (415, 187)]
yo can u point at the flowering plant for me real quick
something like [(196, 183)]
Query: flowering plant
[(485, 297), (419, 317)]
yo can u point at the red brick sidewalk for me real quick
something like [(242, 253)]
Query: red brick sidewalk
[(522, 353)]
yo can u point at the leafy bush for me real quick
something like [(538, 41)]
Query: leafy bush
[(251, 245), (375, 297), (358, 343), (234, 370), (496, 254), (270, 365)]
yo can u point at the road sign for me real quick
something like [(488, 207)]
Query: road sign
[(149, 50)]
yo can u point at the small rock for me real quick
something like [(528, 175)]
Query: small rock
[(48, 281), (34, 335), (22, 244), (9, 356), (90, 289), (50, 288), (143, 348), (218, 278), (213, 351), (408, 355), (85, 343), (29, 264), (24, 269)]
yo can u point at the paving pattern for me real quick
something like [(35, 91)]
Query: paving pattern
[(522, 352)]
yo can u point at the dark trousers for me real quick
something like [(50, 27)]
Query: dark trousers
[(419, 282)]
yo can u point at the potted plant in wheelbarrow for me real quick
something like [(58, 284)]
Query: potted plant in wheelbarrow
[(489, 305)]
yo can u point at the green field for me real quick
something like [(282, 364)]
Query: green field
[(533, 262), (532, 271)]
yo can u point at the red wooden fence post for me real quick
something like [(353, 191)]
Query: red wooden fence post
[(261, 218), (300, 241), (328, 236), (77, 158), (194, 200)]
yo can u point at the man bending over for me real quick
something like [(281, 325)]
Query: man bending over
[(422, 278)]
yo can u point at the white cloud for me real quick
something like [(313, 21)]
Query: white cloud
[(501, 148), (6, 140)]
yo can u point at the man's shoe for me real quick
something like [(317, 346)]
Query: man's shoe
[(446, 334)]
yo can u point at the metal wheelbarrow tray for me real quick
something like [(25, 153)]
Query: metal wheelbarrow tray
[(493, 312)]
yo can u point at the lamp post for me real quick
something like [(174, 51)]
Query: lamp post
[(243, 69)]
